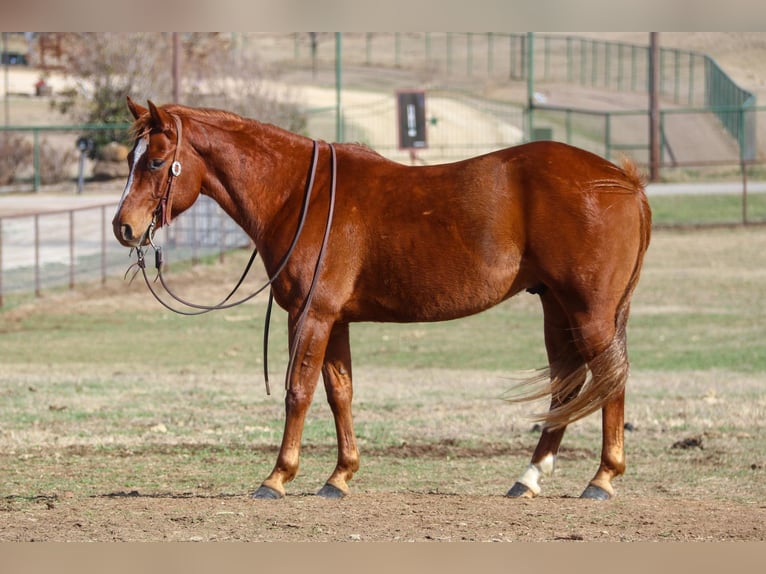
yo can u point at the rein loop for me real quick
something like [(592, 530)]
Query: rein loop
[(163, 213)]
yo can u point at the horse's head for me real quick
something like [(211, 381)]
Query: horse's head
[(164, 179)]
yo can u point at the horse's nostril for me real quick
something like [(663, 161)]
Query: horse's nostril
[(127, 232)]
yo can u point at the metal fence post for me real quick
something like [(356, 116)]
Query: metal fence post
[(194, 241), (743, 168), (594, 64), (36, 137), (490, 54), (37, 254), (103, 244), (691, 80), (368, 48), (469, 54), (71, 249), (620, 71), (607, 64), (608, 135), (1, 261), (512, 57), (633, 67)]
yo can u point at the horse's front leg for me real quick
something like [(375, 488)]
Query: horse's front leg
[(309, 354), (337, 381)]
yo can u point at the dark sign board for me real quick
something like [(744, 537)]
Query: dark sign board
[(411, 106)]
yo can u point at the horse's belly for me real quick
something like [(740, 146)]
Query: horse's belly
[(436, 293)]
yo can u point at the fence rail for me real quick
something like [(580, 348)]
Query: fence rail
[(687, 134), (56, 249)]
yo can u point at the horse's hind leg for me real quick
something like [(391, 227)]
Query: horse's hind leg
[(338, 385), (565, 362), (602, 341), (612, 450)]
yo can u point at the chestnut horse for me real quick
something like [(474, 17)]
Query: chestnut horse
[(407, 244)]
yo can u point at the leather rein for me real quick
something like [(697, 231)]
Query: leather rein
[(163, 214)]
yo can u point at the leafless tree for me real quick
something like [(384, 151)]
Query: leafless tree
[(108, 66)]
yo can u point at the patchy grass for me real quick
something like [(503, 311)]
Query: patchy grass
[(708, 209), (104, 392)]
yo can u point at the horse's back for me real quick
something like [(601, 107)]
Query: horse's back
[(444, 241), (567, 169)]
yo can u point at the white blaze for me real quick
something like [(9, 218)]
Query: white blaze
[(138, 151)]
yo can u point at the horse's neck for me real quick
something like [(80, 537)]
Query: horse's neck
[(262, 187)]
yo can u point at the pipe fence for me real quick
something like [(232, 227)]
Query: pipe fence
[(56, 249)]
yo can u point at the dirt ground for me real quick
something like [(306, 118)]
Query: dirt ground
[(368, 517)]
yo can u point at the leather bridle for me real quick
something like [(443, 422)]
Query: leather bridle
[(163, 214), (165, 206)]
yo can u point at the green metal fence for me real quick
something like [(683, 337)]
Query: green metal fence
[(688, 135), (689, 79), (467, 62), (686, 77), (733, 106), (459, 125)]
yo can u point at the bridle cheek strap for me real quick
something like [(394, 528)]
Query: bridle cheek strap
[(165, 207)]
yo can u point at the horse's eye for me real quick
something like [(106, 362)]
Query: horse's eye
[(156, 164)]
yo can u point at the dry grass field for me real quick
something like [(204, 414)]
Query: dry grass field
[(120, 421)]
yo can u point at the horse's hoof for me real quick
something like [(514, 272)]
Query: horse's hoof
[(519, 490), (330, 491), (266, 493), (594, 492)]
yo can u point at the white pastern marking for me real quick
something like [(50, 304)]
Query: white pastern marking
[(138, 151), (531, 476), (547, 465)]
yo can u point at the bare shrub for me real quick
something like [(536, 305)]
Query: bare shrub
[(108, 66), (55, 163), (15, 154), (237, 81)]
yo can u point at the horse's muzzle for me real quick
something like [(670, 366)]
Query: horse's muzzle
[(127, 235)]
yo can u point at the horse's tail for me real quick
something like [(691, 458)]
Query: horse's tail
[(610, 368)]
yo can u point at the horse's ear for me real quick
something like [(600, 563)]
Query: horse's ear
[(160, 118), (135, 109)]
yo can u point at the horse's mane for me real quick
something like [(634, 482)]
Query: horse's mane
[(204, 115), (213, 116)]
